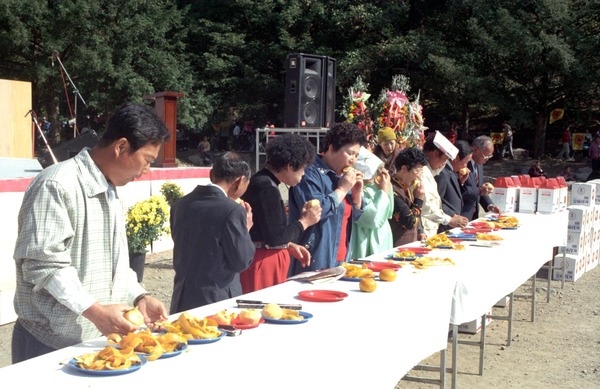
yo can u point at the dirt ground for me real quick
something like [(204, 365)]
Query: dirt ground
[(561, 349)]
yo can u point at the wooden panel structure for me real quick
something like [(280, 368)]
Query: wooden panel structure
[(16, 126), (165, 106)]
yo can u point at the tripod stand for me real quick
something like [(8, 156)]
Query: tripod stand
[(56, 55), (37, 125)]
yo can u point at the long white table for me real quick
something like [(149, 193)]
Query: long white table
[(368, 340)]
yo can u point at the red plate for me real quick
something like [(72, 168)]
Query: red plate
[(322, 296), (475, 230), (416, 250), (241, 326), (379, 266)]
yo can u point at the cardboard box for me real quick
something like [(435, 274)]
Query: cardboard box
[(577, 242), (474, 326), (528, 200), (503, 302), (517, 182), (504, 194), (564, 193), (574, 269), (596, 182), (579, 218), (583, 193), (548, 197), (593, 259)]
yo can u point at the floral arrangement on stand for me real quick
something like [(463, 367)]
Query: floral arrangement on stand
[(395, 110), (356, 109), (145, 223)]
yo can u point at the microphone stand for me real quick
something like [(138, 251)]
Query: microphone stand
[(56, 54), (37, 125)]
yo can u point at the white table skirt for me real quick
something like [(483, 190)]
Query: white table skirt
[(485, 275), (367, 340)]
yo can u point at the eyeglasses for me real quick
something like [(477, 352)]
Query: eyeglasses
[(486, 157)]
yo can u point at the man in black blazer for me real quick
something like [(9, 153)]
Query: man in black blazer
[(473, 191), (449, 182), (210, 231)]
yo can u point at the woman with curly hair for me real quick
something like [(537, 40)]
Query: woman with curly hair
[(287, 157), (338, 187), (408, 195)]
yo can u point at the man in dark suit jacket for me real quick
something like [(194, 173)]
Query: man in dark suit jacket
[(473, 190), (449, 182), (210, 231)]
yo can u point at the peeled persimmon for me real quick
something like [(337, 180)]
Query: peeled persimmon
[(387, 275), (367, 285)]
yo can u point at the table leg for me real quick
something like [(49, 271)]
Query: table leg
[(533, 286), (482, 343), (454, 355)]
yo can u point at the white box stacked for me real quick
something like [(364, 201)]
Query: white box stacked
[(583, 193), (548, 200), (596, 183), (564, 195), (503, 302), (504, 193), (580, 218), (474, 326), (517, 183), (528, 199), (594, 253), (581, 235), (574, 268)]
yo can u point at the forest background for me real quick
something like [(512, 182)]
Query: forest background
[(473, 62)]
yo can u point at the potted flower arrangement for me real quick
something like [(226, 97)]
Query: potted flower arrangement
[(171, 191), (145, 223)]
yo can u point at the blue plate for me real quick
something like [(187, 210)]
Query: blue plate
[(182, 347), (305, 315), (73, 365), (468, 237), (206, 340), (353, 279), (391, 256)]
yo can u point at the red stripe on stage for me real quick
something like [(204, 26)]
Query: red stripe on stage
[(21, 184)]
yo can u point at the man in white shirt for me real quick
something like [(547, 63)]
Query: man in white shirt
[(432, 214)]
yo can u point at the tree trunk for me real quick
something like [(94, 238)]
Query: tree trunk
[(464, 132), (540, 135)]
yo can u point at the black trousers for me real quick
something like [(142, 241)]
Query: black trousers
[(25, 346)]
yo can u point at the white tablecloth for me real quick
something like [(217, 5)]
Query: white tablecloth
[(369, 340), (485, 275)]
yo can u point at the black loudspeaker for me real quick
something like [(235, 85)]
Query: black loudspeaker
[(309, 91), (69, 148)]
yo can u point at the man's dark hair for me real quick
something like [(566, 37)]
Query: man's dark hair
[(342, 134), (138, 124), (228, 167), (410, 158), (464, 148), (289, 149)]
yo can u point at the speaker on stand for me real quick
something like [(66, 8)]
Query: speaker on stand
[(309, 91), (69, 148)]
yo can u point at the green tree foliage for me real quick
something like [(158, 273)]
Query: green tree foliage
[(516, 59), (114, 52)]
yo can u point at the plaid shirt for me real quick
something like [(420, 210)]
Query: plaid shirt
[(67, 256)]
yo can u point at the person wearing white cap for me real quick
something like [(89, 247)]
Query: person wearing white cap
[(432, 214)]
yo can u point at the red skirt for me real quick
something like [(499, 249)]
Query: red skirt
[(268, 268)]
